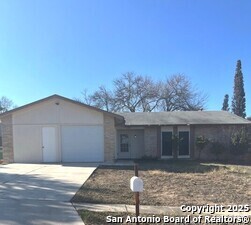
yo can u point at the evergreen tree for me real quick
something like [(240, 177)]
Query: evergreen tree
[(239, 101), (225, 105)]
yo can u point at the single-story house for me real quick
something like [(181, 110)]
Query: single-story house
[(58, 129)]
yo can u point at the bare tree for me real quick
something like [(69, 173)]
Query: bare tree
[(6, 104), (103, 98), (178, 93), (152, 96), (86, 99), (135, 93)]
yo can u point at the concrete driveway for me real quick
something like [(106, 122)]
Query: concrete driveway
[(40, 193)]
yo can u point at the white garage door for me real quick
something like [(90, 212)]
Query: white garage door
[(82, 144)]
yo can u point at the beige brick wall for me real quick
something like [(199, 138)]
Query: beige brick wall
[(109, 138), (151, 142), (7, 135)]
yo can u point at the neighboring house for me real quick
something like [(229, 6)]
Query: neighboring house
[(57, 129)]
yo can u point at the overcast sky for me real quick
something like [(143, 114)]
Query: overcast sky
[(62, 47)]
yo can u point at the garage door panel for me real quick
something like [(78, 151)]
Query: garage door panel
[(82, 144)]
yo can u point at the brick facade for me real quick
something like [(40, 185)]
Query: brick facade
[(151, 142), (109, 138), (7, 139), (219, 133)]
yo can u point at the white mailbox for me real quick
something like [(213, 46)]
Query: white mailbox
[(136, 184)]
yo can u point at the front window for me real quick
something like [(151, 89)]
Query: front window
[(167, 144), (183, 143)]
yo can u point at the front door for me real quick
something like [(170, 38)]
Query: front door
[(183, 144), (49, 146), (130, 144)]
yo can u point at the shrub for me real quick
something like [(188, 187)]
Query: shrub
[(239, 142)]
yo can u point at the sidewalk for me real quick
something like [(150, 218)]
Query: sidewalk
[(145, 209)]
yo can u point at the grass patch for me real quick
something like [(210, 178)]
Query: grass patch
[(170, 183)]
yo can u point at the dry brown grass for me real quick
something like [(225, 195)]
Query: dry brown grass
[(170, 183)]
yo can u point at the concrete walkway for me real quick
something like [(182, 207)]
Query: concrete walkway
[(35, 194), (144, 209)]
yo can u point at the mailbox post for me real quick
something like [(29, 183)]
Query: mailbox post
[(136, 185)]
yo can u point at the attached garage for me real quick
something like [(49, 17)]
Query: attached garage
[(57, 129), (82, 143)]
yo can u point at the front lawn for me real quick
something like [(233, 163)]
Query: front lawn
[(170, 183)]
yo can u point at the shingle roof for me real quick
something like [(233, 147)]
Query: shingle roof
[(182, 118), (158, 118)]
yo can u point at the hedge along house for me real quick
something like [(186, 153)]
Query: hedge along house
[(57, 129), (165, 135)]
